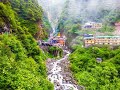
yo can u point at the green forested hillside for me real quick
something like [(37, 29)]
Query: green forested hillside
[(22, 62), (93, 75), (31, 16)]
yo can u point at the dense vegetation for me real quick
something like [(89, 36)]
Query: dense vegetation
[(93, 75), (55, 52), (31, 16), (22, 62)]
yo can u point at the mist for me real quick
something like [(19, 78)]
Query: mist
[(84, 9), (53, 8), (87, 9)]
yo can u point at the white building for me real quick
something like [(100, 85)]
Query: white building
[(92, 25)]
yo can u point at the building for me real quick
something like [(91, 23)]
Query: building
[(88, 41), (97, 25), (99, 60), (87, 35), (102, 40), (93, 25), (59, 40), (117, 28), (107, 40), (88, 25)]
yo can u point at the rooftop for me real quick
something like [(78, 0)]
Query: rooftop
[(101, 37), (88, 37), (107, 36)]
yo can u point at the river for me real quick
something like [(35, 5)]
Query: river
[(60, 75)]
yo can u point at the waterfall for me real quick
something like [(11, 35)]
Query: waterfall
[(53, 8)]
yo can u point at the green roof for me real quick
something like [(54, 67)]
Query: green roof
[(107, 36)]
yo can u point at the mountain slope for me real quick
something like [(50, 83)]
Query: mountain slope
[(95, 75), (22, 64)]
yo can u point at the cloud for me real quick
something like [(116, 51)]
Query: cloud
[(85, 8), (77, 8), (53, 9)]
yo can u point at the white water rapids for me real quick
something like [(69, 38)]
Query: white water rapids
[(61, 79)]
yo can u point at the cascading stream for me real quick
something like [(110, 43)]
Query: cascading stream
[(58, 70), (60, 75)]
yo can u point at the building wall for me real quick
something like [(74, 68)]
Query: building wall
[(93, 25), (97, 25), (111, 41), (89, 42), (62, 42), (92, 41), (102, 41)]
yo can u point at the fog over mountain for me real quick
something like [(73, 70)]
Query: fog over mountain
[(53, 8), (85, 9)]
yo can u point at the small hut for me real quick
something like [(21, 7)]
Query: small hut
[(99, 60)]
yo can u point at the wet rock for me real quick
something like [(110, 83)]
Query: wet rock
[(60, 74)]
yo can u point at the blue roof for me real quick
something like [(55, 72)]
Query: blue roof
[(88, 37)]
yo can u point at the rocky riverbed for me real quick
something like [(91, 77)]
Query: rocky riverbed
[(60, 75)]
